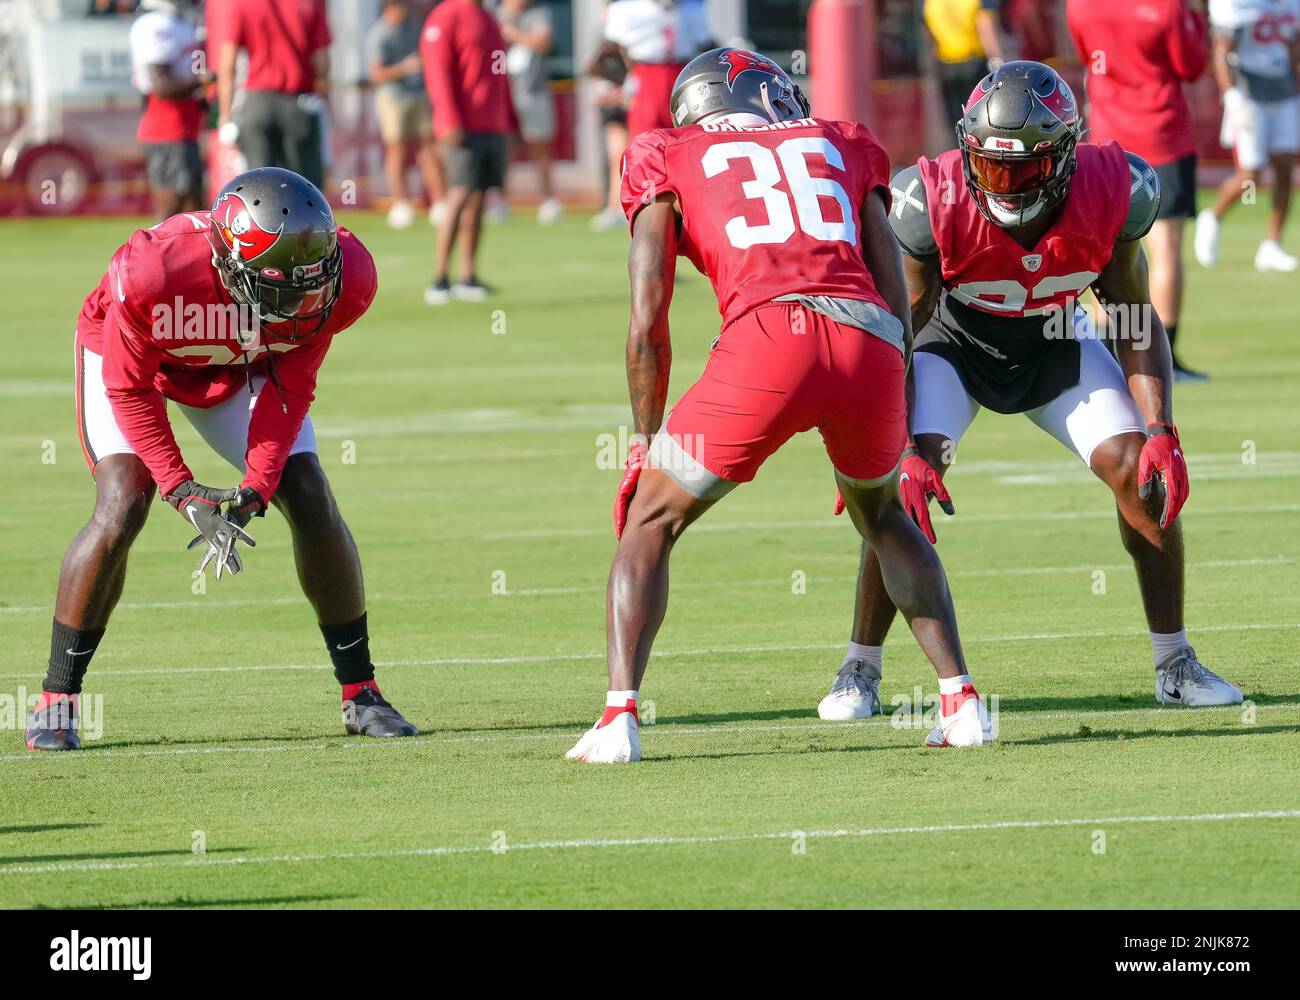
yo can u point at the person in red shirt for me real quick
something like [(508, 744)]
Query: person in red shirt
[(165, 62), (1138, 54), (1002, 236), (464, 70), (279, 124), (228, 314), (787, 217)]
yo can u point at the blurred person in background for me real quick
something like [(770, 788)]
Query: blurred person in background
[(402, 107), (1032, 24), (608, 71), (1256, 65), (164, 67), (287, 42), (526, 26), (473, 114), (657, 38), (1137, 60), (967, 44)]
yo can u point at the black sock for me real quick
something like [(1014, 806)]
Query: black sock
[(1172, 330), (71, 650), (349, 648)]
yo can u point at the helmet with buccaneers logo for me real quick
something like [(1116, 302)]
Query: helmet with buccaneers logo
[(1017, 139), (728, 81), (276, 248)]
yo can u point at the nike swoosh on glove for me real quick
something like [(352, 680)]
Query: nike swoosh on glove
[(636, 455), (918, 482), (201, 506), (1162, 457), (246, 505)]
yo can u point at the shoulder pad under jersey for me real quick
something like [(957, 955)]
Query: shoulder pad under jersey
[(1144, 199), (910, 214)]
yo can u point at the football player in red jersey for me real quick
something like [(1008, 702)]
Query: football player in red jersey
[(787, 215), (228, 314), (1002, 235)]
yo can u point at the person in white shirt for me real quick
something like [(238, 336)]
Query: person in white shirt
[(1256, 59), (657, 38)]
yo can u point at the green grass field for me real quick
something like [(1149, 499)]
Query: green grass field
[(476, 464)]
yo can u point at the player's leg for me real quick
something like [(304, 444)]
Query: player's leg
[(636, 600), (1271, 256), (439, 290), (942, 411), (1099, 421), (742, 409), (94, 566), (329, 568), (471, 229), (865, 429), (1250, 150), (1165, 252)]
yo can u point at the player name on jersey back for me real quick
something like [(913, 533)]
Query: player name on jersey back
[(767, 211)]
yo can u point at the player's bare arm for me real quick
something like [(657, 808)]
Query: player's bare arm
[(884, 259), (651, 267), (1146, 361)]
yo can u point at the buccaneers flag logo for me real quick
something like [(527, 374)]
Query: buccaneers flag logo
[(738, 61), (245, 237)]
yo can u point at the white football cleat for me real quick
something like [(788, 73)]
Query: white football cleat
[(1271, 257), (969, 724), (438, 213), (854, 695), (1183, 680), (549, 212), (1206, 243), (617, 741), (401, 214)]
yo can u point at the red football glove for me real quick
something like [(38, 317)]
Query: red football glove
[(636, 453), (1162, 456), (917, 483)]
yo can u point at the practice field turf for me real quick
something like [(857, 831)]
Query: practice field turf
[(481, 508)]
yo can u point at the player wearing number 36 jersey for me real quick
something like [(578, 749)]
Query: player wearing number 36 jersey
[(787, 216), (1002, 236)]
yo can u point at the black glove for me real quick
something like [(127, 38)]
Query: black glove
[(201, 506)]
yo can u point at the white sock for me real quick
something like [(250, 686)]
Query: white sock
[(617, 699), (953, 685), (872, 657), (1164, 646)]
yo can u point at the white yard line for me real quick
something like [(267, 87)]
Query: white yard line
[(603, 843), (215, 604), (568, 732), (670, 654)]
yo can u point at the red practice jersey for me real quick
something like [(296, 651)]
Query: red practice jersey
[(168, 329), (985, 268), (766, 211), (1138, 56)]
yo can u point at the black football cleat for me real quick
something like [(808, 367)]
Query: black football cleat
[(53, 726), (368, 714)]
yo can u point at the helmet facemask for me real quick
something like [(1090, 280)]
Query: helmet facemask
[(304, 299), (1012, 188)]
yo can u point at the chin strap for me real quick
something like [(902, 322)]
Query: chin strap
[(767, 103)]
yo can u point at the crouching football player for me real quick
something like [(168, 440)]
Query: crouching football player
[(787, 216), (1001, 236), (228, 314)]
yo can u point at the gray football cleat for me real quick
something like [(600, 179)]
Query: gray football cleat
[(854, 695), (1183, 680)]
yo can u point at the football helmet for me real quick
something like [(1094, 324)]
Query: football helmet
[(1017, 138), (275, 245), (727, 81)]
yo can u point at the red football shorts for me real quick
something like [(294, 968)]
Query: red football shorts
[(649, 107), (776, 371)]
